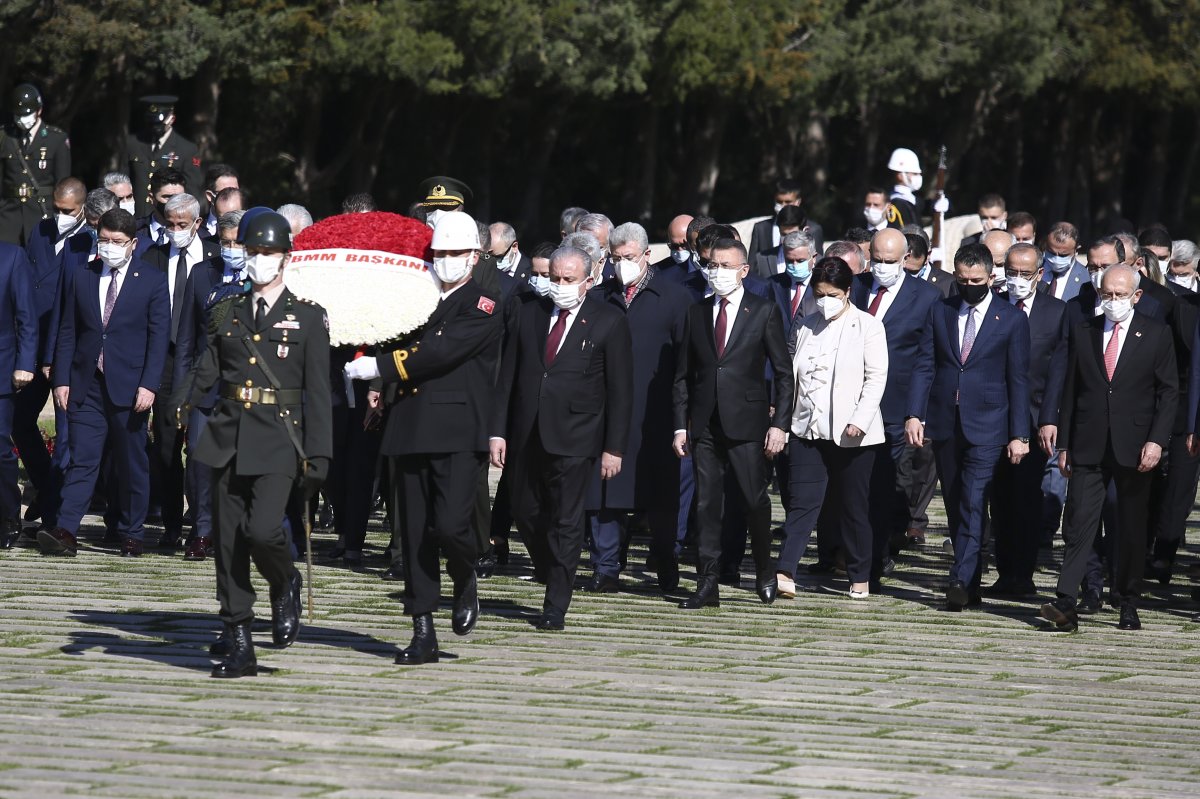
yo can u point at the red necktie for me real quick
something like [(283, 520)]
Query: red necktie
[(1110, 352), (796, 300), (719, 330), (629, 292), (878, 299), (556, 335), (1054, 288), (1020, 305)]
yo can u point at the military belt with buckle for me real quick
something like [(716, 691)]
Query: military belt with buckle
[(259, 395)]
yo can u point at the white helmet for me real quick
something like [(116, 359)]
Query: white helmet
[(904, 160), (455, 231)]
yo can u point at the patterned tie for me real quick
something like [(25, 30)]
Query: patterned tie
[(878, 299), (1110, 352), (630, 290), (720, 328), (556, 337), (968, 336), (110, 299)]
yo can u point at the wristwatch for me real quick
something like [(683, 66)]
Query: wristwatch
[(1023, 440)]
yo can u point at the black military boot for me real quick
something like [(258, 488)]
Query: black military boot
[(240, 662), (285, 612), (221, 647), (466, 606), (423, 648)]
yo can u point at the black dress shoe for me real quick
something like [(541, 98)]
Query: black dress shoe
[(240, 660), (131, 547), (466, 606), (549, 622), (485, 567), (198, 549), (668, 574), (1129, 617), (956, 595), (285, 612), (767, 588), (1062, 612), (707, 595), (27, 538), (394, 574), (500, 550), (221, 647), (423, 648), (1090, 603), (602, 584), (169, 540), (33, 512), (57, 542)]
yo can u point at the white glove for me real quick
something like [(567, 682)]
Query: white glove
[(942, 205), (364, 368)]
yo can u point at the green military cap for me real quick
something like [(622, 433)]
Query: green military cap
[(440, 191)]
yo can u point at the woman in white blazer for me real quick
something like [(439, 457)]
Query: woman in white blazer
[(840, 366)]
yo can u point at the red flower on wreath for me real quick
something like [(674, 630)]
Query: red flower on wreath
[(375, 230)]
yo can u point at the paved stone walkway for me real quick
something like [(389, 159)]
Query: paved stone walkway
[(104, 692)]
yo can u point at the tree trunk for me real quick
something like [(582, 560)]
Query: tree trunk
[(815, 152), (642, 205), (700, 181), (207, 92), (1065, 151)]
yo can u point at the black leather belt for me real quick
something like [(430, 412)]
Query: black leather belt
[(258, 395)]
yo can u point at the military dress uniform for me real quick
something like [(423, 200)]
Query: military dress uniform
[(143, 156), (247, 442), (30, 166)]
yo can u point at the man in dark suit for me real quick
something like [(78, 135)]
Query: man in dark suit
[(903, 302), (1118, 407), (565, 399), (793, 286), (766, 235), (267, 354), (511, 262), (970, 396), (722, 413), (152, 228), (770, 260), (108, 364), (18, 362), (437, 434), (993, 215), (683, 264), (916, 264), (1062, 272), (183, 252), (655, 309), (1016, 511), (156, 146)]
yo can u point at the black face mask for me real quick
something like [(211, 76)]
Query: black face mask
[(973, 293)]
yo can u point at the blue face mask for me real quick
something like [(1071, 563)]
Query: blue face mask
[(235, 259), (800, 271), (540, 284), (1059, 263)]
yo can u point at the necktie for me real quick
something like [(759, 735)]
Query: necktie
[(968, 336), (177, 296), (1110, 352), (1054, 288), (1020, 305), (878, 299), (797, 299), (719, 330), (629, 292), (110, 300), (260, 315), (556, 336)]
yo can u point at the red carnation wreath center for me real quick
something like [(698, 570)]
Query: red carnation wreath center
[(374, 230)]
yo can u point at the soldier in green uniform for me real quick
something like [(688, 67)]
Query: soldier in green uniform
[(268, 356), (34, 157), (157, 145)]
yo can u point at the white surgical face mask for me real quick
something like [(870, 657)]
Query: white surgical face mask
[(679, 256), (66, 223), (566, 296), (1117, 310), (830, 306), (1182, 280), (27, 121), (992, 224), (1059, 264), (127, 205), (778, 207), (449, 270), (886, 274), (723, 281), (1164, 266), (540, 285), (113, 256), (1019, 287), (628, 271), (504, 264), (999, 283), (1097, 276), (264, 267), (915, 181), (873, 215), (182, 238)]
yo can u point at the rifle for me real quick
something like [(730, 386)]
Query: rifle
[(939, 219)]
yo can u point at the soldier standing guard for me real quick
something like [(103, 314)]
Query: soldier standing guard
[(34, 157), (159, 146), (268, 355)]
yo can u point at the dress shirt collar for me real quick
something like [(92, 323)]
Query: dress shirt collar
[(271, 295), (982, 307)]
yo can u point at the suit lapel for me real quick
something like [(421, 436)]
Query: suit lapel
[(952, 329), (541, 327), (1131, 347), (92, 281), (1097, 336), (739, 321), (578, 332)]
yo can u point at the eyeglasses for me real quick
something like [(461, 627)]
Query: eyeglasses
[(1015, 273), (683, 245), (1091, 267), (1112, 295), (499, 255), (716, 265)]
